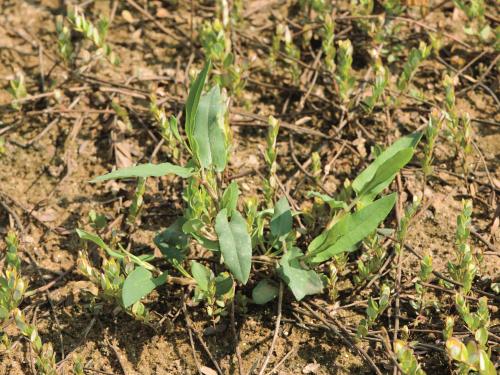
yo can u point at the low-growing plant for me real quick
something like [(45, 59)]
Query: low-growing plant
[(344, 77), (477, 25), (415, 58), (374, 310), (475, 355), (13, 289), (328, 43), (464, 269), (94, 33), (18, 90), (212, 220), (407, 359), (216, 43)]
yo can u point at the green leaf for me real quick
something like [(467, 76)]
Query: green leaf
[(193, 100), (139, 283), (201, 274), (366, 176), (84, 235), (264, 292), (281, 222), (138, 260), (146, 170), (350, 230), (300, 281), (386, 172), (327, 199), (235, 244), (224, 285), (172, 241), (209, 133), (230, 198)]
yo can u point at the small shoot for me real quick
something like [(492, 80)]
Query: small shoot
[(415, 59), (95, 34), (344, 76), (374, 310), (465, 267), (18, 91)]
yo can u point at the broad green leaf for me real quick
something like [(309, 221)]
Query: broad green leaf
[(235, 244), (193, 100), (327, 199), (386, 172), (350, 230), (147, 170), (366, 176), (201, 274), (300, 281), (281, 222), (139, 283), (264, 292), (209, 133), (172, 241), (230, 198)]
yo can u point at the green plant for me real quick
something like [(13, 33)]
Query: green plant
[(18, 90), (12, 291), (416, 57), (406, 358), (371, 260), (431, 133), (64, 44), (328, 42), (475, 355), (96, 34), (374, 310), (212, 219), (344, 77), (381, 81), (423, 277), (465, 267), (168, 128), (216, 44), (45, 361), (477, 25)]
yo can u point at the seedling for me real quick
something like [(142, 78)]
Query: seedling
[(475, 355), (18, 90), (95, 34), (416, 57), (216, 43), (465, 268), (344, 77), (374, 310), (328, 44), (381, 81), (407, 359), (12, 291)]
